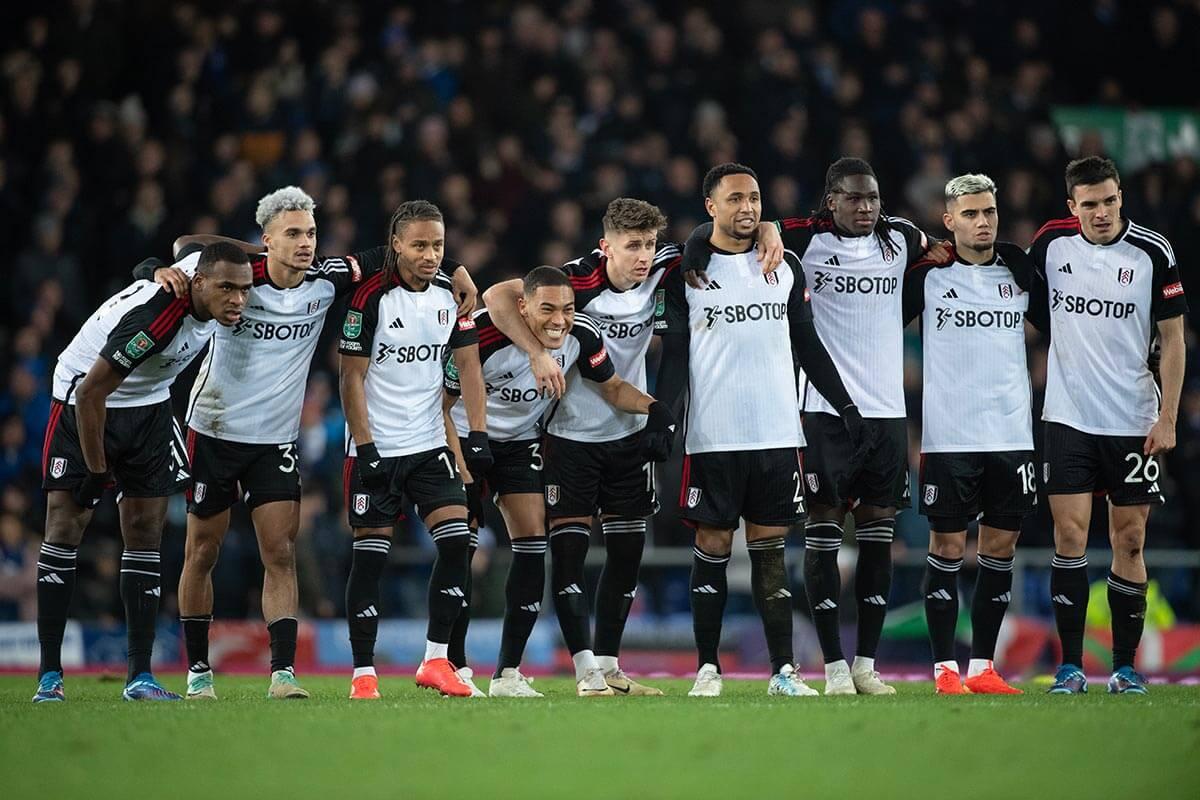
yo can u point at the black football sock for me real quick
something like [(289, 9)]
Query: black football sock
[(1069, 593), (710, 588), (873, 581), (457, 651), (772, 598), (55, 584), (369, 557), (993, 593), (568, 551), (823, 585), (624, 541), (141, 587), (448, 579), (1127, 601), (195, 640), (522, 599), (283, 633), (940, 588)]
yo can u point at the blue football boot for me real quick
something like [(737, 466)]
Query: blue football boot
[(1069, 680), (145, 687), (1127, 680), (50, 688)]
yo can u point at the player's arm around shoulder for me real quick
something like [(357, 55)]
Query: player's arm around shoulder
[(503, 304)]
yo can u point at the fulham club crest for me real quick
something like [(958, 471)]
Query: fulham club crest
[(199, 490), (772, 279), (443, 316), (931, 493), (1125, 276), (693, 497), (361, 503), (552, 494), (58, 467), (314, 306), (1006, 291), (814, 483)]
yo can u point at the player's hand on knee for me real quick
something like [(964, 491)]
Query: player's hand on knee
[(174, 280), (87, 493), (658, 437), (477, 453), (370, 467), (548, 374)]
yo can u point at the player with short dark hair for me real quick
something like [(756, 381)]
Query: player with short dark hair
[(111, 424), (977, 433), (244, 422), (399, 327), (733, 346), (515, 408), (854, 260), (1110, 290)]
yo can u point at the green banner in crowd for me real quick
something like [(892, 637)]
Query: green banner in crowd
[(1132, 138)]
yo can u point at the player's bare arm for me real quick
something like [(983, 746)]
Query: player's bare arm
[(768, 248), (352, 377), (91, 414), (1162, 436), (478, 454), (448, 401), (501, 301)]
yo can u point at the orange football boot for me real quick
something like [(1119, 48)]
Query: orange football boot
[(364, 687), (990, 682), (949, 682), (438, 673)]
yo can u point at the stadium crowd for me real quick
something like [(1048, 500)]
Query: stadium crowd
[(125, 125)]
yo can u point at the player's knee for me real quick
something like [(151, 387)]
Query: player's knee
[(948, 546), (1127, 541), (716, 543), (1070, 535), (278, 556), (142, 529)]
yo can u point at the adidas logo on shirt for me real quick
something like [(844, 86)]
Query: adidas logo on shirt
[(833, 262), (712, 285), (396, 323), (950, 295), (1066, 268), (367, 612)]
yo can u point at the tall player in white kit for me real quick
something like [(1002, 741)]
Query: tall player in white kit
[(244, 420), (111, 423), (1110, 288), (977, 432), (597, 457), (733, 347), (400, 327), (515, 407)]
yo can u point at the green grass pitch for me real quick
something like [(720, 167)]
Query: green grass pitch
[(744, 744)]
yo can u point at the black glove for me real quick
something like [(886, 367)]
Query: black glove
[(87, 494), (853, 421), (370, 467), (862, 442), (478, 454), (658, 437)]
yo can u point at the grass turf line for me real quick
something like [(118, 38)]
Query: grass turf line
[(416, 744)]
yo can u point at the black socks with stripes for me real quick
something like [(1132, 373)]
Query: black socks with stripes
[(1069, 594), (568, 551), (624, 541), (55, 584), (709, 589), (457, 650), (522, 599), (370, 556), (823, 584), (448, 580), (141, 588), (940, 587), (1127, 601), (772, 597), (993, 593), (873, 581)]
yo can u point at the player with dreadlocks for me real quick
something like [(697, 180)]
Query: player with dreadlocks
[(854, 260)]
